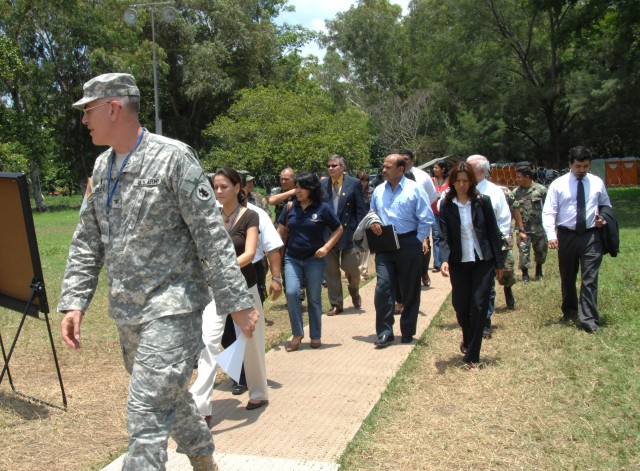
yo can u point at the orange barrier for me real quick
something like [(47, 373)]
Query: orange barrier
[(622, 172), (505, 174)]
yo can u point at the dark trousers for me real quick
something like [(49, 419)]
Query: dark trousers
[(401, 265), (584, 251), (228, 337), (424, 271), (470, 288), (261, 276), (426, 258)]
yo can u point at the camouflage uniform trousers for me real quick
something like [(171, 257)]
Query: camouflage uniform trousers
[(508, 278), (160, 355), (537, 241)]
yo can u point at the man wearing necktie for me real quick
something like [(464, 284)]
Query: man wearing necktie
[(344, 194), (571, 220)]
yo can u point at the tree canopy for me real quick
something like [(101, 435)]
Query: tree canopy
[(512, 79), (268, 128)]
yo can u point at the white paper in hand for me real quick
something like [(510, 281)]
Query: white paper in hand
[(230, 360)]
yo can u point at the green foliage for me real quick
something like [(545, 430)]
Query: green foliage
[(48, 49), (12, 158), (371, 39), (475, 135), (512, 79), (270, 127)]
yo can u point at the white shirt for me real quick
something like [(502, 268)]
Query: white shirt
[(499, 203), (268, 238), (468, 238), (560, 206), (424, 179)]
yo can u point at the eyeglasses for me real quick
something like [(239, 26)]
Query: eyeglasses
[(86, 110), (333, 165)]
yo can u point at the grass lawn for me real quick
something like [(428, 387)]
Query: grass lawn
[(551, 397)]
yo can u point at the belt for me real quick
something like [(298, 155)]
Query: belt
[(566, 229), (408, 234)]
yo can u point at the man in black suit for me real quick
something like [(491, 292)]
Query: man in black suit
[(344, 194)]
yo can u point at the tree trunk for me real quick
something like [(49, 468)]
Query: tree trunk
[(36, 187)]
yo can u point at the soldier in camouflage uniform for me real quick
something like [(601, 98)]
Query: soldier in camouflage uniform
[(528, 200), (149, 217), (254, 197)]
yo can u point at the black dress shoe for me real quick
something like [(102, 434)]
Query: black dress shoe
[(238, 389), (566, 319), (406, 339), (426, 280), (357, 301), (334, 310), (384, 341), (591, 329), (256, 405)]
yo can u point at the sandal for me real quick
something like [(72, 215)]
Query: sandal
[(295, 343)]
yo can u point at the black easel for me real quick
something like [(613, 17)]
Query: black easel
[(37, 288)]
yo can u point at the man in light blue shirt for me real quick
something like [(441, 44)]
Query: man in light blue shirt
[(404, 204)]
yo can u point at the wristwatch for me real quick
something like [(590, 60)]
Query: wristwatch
[(277, 279)]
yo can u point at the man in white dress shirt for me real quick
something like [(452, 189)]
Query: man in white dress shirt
[(424, 180), (570, 217), (482, 169)]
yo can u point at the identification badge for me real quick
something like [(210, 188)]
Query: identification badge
[(104, 232), (116, 203)]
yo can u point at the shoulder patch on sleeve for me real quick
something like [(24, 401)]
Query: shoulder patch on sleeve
[(203, 192)]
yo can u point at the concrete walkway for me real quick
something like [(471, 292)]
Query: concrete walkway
[(318, 398)]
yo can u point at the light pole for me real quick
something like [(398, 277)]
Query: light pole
[(169, 14)]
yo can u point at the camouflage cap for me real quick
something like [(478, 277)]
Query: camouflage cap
[(107, 85)]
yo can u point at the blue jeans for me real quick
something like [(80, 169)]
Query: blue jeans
[(311, 272), (435, 232)]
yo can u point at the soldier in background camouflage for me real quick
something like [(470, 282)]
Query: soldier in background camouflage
[(508, 278), (254, 197), (149, 217), (528, 200)]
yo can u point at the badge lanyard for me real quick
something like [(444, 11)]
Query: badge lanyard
[(112, 191)]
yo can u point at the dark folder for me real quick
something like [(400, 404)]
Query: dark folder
[(384, 242)]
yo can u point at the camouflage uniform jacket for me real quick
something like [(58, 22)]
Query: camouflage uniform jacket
[(530, 202), (260, 201), (164, 241)]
